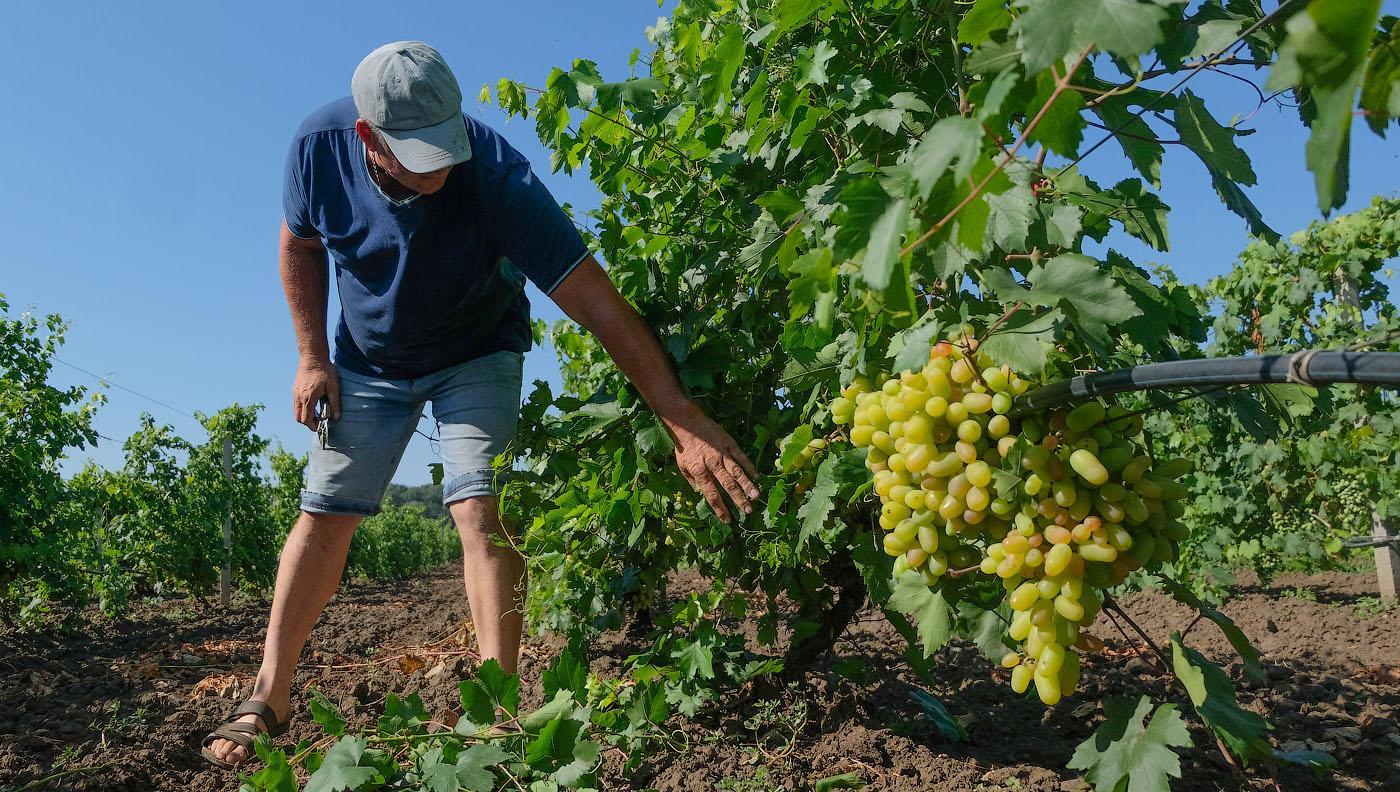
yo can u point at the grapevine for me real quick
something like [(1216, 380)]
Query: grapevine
[(1057, 509)]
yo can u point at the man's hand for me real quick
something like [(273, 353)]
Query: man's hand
[(710, 460), (708, 457), (315, 379)]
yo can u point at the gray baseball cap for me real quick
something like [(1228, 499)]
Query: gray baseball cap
[(405, 90)]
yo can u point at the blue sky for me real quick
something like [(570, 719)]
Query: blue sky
[(142, 160)]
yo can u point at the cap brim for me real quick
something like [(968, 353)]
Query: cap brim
[(430, 148)]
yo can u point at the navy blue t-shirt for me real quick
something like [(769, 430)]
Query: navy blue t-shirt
[(438, 279)]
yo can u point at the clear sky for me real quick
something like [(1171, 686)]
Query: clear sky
[(141, 159)]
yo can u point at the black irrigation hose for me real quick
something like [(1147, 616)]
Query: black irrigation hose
[(1312, 367)]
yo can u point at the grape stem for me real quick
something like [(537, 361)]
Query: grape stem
[(1111, 604), (998, 323), (1062, 84)]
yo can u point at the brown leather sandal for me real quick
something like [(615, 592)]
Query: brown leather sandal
[(243, 734)]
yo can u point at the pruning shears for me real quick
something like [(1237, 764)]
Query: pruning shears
[(323, 421)]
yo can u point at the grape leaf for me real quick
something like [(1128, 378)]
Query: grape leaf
[(562, 703), (912, 595), (1214, 697), (910, 348), (553, 744), (1325, 55), (1248, 654), (585, 759), (811, 66), (436, 775), (1318, 761), (1044, 31), (793, 445), (952, 139), (1124, 755), (863, 202), (939, 716), (567, 672), (883, 251), (1061, 129), (340, 769), (792, 13), (477, 709), (694, 659), (993, 57), (981, 20), (783, 203), (1061, 223), (652, 438), (820, 499), (1137, 139), (1049, 28), (1142, 213), (1380, 86), (1022, 340), (325, 713), (1236, 201), (473, 765), (989, 105), (727, 57), (1076, 282), (988, 631), (1010, 217), (402, 714), (1125, 28), (276, 774), (1213, 143), (503, 688)]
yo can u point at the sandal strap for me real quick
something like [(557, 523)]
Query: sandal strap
[(240, 736), (261, 710)]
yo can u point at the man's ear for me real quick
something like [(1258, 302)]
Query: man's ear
[(366, 133)]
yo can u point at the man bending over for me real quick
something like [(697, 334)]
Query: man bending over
[(433, 222)]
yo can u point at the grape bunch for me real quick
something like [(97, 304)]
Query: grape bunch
[(803, 462), (1353, 502), (1057, 508)]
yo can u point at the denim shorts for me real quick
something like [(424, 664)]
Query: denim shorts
[(476, 405)]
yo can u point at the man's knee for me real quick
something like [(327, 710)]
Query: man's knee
[(318, 522), (479, 518)]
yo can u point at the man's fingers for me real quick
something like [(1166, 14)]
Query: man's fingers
[(736, 492), (732, 467), (333, 396), (716, 501), (304, 409), (738, 455)]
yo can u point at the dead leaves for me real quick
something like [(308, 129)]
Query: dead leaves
[(230, 686), (1381, 674)]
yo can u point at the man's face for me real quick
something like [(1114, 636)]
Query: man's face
[(423, 183)]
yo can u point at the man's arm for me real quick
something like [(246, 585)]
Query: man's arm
[(305, 276), (708, 457)]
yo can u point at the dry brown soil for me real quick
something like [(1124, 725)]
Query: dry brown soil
[(129, 700)]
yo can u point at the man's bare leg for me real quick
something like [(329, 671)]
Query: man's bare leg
[(308, 573), (494, 573)]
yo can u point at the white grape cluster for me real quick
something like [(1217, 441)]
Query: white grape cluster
[(1056, 509)]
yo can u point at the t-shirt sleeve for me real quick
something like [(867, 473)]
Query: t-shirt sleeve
[(296, 209), (533, 231)]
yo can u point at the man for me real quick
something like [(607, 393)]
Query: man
[(431, 219)]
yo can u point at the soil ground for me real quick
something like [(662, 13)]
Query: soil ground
[(125, 703)]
